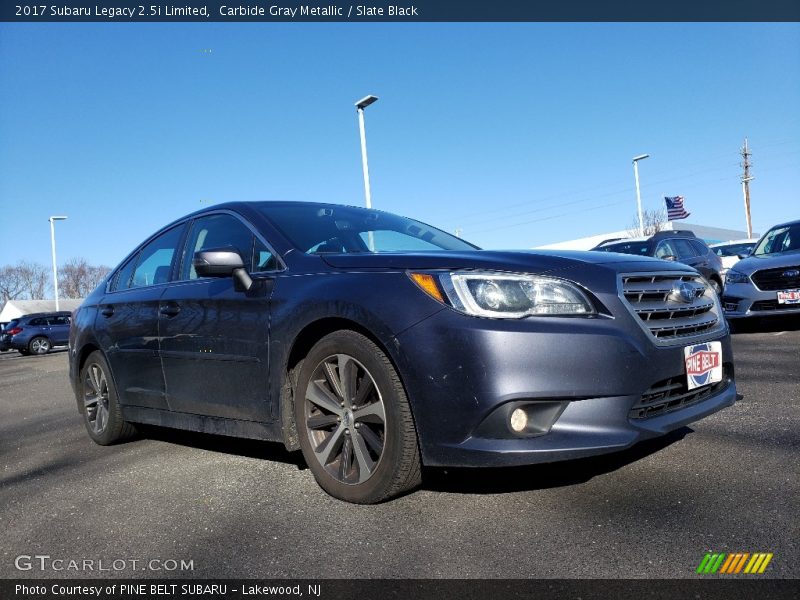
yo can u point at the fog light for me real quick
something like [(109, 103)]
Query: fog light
[(519, 420)]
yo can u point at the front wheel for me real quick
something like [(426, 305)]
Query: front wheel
[(354, 421), (102, 414)]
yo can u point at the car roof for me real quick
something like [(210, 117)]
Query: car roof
[(623, 241), (787, 224), (60, 313)]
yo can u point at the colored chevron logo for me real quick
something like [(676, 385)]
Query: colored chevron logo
[(734, 563)]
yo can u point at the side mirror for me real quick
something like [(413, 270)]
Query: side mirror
[(222, 262), (743, 255), (671, 257)]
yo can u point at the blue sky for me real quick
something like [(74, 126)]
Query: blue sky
[(518, 134)]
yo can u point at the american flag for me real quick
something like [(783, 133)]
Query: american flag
[(675, 208)]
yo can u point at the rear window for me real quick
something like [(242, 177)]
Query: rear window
[(733, 249), (638, 248)]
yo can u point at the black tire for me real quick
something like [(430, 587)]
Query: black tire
[(39, 345), (98, 397), (364, 455)]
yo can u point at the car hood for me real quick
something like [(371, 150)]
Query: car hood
[(523, 261), (751, 264)]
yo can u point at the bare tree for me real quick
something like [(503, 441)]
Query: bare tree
[(23, 281), (11, 284), (77, 278), (652, 220)]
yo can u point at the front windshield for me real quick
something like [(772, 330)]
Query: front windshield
[(638, 248), (329, 229), (780, 239)]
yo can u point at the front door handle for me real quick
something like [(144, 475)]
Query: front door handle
[(169, 309)]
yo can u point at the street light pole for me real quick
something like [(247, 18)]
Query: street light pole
[(636, 160), (53, 246), (360, 106)]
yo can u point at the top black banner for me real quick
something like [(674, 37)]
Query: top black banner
[(404, 12)]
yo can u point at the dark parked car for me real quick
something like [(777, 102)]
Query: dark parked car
[(680, 245), (36, 333), (767, 282), (377, 343)]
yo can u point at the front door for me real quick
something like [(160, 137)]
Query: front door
[(215, 338)]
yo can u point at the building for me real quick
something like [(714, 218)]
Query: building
[(17, 308), (711, 235)]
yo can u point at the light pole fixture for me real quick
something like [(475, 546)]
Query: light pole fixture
[(636, 160), (360, 106), (53, 246)]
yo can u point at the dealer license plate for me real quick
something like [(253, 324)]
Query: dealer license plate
[(703, 364), (789, 297)]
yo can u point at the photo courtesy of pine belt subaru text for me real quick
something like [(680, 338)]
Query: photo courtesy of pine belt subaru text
[(377, 344)]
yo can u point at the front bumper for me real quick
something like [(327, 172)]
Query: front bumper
[(461, 372), (742, 300)]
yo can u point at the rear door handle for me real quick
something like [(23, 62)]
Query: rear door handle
[(107, 311), (169, 309)]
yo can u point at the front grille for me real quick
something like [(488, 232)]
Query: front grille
[(673, 394), (668, 315), (772, 305), (785, 278)]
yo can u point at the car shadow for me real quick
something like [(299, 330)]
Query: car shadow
[(502, 480), (772, 324), (272, 451)]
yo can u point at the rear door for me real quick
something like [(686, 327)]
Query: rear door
[(59, 329), (688, 255), (214, 337), (127, 321)]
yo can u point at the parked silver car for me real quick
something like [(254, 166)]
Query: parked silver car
[(768, 281), (732, 252)]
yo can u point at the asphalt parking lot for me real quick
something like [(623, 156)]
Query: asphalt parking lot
[(249, 509)]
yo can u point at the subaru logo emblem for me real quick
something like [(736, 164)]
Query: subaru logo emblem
[(792, 273), (683, 291)]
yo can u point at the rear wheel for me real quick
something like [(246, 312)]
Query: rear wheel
[(101, 411), (354, 421), (39, 345)]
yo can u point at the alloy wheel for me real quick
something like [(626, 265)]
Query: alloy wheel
[(40, 346), (95, 398), (345, 419)]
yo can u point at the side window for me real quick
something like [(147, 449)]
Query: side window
[(665, 249), (684, 248), (155, 259), (122, 280), (38, 322), (217, 231), (699, 247), (263, 259), (61, 320)]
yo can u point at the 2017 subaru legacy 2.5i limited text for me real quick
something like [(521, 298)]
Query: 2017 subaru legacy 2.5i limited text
[(376, 344)]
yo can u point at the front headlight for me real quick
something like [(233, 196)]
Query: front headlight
[(734, 276), (505, 296)]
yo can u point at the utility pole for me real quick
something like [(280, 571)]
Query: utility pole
[(746, 179)]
